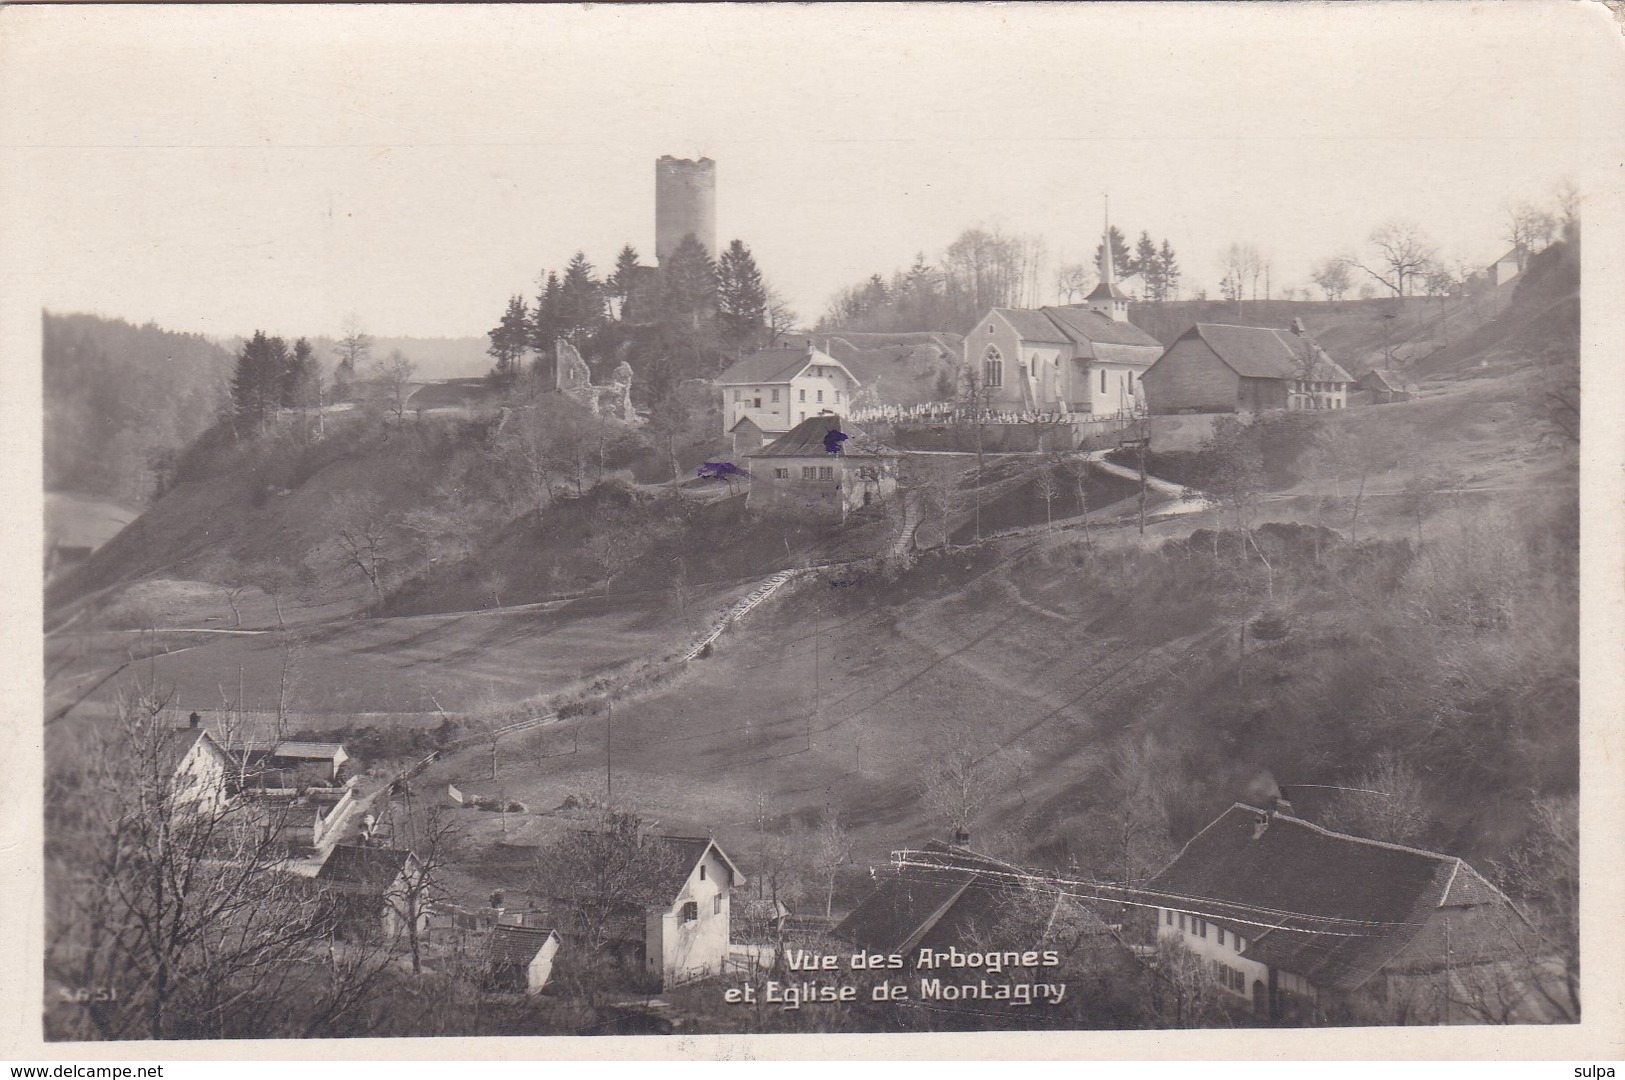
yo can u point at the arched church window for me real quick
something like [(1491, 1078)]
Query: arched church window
[(992, 367)]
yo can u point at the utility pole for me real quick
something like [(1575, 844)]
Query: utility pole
[(1142, 441), (609, 756)]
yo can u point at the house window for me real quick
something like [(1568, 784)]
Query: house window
[(826, 472), (837, 397), (1220, 930), (716, 904), (1201, 928), (1240, 944), (691, 911), (775, 395), (1181, 922), (1102, 380), (820, 397), (992, 367), (756, 403), (702, 871), (781, 474), (803, 395), (738, 395), (809, 472), (1170, 915)]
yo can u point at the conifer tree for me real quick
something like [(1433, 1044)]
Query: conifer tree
[(688, 292), (1122, 258), (1168, 264), (581, 300), (620, 283), (741, 296), (256, 383), (510, 340), (297, 377)]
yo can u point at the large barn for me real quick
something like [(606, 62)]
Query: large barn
[(1215, 368)]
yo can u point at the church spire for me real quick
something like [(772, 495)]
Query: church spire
[(1107, 298)]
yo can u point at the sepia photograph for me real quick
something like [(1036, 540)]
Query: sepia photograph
[(826, 520)]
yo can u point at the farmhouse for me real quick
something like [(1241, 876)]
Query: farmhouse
[(371, 887), (1215, 368), (197, 767), (1288, 915), (1381, 387), (821, 469), (776, 389), (519, 958)]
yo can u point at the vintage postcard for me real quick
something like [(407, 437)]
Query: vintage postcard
[(762, 529)]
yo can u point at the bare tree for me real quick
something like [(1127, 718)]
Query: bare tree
[(421, 883), (1528, 228), (362, 536), (1046, 488), (1387, 801), (395, 373), (354, 351), (781, 318), (1073, 280), (1403, 254), (960, 781), (827, 850), (1332, 275)]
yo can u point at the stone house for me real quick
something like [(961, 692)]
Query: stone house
[(821, 469), (776, 389)]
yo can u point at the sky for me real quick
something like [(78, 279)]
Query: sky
[(223, 170)]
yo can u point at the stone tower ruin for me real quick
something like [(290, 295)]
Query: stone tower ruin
[(685, 202)]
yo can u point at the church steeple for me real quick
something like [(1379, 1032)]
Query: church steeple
[(1107, 298)]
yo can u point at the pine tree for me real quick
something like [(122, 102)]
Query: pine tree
[(297, 378), (581, 300), (621, 283), (688, 292), (1169, 265), (510, 341), (256, 383), (1149, 266), (741, 296)]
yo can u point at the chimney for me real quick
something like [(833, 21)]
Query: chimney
[(1260, 825), (194, 719), (961, 837), (1298, 327)]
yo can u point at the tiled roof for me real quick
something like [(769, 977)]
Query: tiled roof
[(515, 944), (1327, 906), (313, 751), (362, 867), (1392, 381), (176, 745), (1260, 352), (1034, 326), (807, 439), (777, 366), (688, 851), (1093, 326)]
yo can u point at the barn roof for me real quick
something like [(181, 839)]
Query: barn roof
[(363, 867), (1261, 352), (944, 895), (1391, 381), (1330, 907), (516, 944), (778, 366), (311, 751), (807, 439)]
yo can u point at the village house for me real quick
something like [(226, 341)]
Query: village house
[(1289, 916), (199, 770), (1507, 267), (374, 888), (519, 958), (776, 389), (689, 938), (1216, 368), (821, 469), (294, 764), (1079, 358)]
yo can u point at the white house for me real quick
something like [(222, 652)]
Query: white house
[(382, 886), (520, 957), (821, 468), (198, 768), (688, 938), (776, 389), (1287, 915)]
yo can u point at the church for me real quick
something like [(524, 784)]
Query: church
[(1079, 358)]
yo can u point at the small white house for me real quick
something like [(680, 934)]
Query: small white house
[(198, 767), (520, 958), (688, 939), (776, 389)]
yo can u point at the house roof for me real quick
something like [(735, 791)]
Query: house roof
[(807, 439), (778, 366), (313, 751), (1261, 352), (1392, 381), (363, 867), (943, 895), (177, 744), (1510, 257), (516, 944), (1330, 907), (745, 423), (689, 850)]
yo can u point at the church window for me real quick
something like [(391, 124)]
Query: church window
[(992, 367)]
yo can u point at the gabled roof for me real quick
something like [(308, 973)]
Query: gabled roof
[(1510, 257), (808, 439), (778, 366), (1330, 907), (310, 751), (374, 869), (1083, 326), (689, 850), (1261, 352), (1392, 381), (745, 423), (944, 895), (515, 944), (178, 743)]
